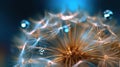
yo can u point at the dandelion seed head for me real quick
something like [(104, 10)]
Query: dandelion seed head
[(69, 40)]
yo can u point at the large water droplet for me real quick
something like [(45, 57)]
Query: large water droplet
[(25, 24), (108, 14)]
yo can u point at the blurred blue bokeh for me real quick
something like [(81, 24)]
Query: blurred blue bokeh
[(71, 5)]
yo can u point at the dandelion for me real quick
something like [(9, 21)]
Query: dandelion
[(61, 40)]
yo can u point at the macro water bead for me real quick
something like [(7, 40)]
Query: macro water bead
[(108, 14), (25, 24), (66, 30)]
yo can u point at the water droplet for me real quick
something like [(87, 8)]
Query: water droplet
[(108, 14), (66, 28), (41, 51), (25, 24)]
